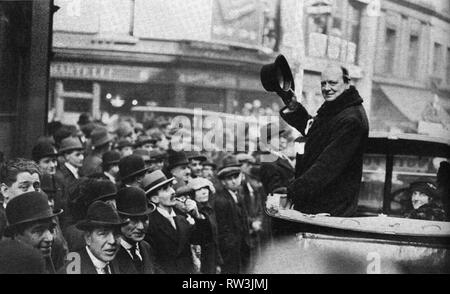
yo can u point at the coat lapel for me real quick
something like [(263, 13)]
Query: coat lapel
[(285, 164), (164, 226)]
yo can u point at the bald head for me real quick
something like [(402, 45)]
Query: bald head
[(333, 83)]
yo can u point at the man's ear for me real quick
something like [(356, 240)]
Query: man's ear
[(4, 191), (154, 199)]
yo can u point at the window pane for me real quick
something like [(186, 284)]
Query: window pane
[(437, 58), (372, 185), (413, 56), (389, 56)]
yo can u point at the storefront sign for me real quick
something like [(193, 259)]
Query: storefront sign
[(207, 79), (237, 21), (102, 72)]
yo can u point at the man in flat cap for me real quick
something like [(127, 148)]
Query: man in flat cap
[(72, 151), (32, 221), (135, 255), (232, 218), (102, 233)]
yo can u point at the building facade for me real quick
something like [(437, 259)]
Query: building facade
[(25, 38)]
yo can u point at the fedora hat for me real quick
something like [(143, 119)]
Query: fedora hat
[(70, 144), (131, 166), (99, 190), (28, 207), (155, 180), (176, 158), (230, 166), (100, 136), (277, 77), (100, 214), (131, 201), (42, 150), (111, 157), (196, 155)]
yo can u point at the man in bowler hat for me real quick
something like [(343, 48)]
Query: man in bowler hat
[(169, 233), (102, 235), (178, 166), (132, 170), (135, 255), (32, 221)]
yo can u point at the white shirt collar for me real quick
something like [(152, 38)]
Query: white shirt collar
[(128, 247), (72, 169), (164, 213), (99, 265), (233, 194)]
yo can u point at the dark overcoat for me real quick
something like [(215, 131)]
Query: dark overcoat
[(329, 175), (125, 261), (276, 174), (86, 267)]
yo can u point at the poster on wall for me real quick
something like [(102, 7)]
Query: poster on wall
[(237, 21)]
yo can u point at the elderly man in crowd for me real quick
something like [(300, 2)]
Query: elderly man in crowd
[(102, 233)]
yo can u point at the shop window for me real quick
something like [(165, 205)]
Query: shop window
[(77, 105)]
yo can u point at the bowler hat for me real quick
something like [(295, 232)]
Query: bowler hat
[(277, 76), (28, 207), (155, 180), (230, 166), (131, 201), (84, 118), (70, 144), (111, 157), (176, 158), (196, 155), (100, 136), (131, 166), (99, 190), (142, 140), (88, 128), (100, 214), (42, 150)]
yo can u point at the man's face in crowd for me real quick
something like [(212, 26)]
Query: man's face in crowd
[(75, 158), (135, 230), (208, 172), (181, 173), (163, 144), (166, 196), (103, 243), (126, 151), (332, 83), (40, 235), (148, 147), (114, 170), (25, 182), (196, 167), (419, 199), (232, 182), (48, 165)]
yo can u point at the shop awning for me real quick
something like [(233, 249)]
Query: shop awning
[(412, 102)]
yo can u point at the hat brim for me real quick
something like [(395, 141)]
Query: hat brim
[(105, 197), (136, 173), (103, 142), (200, 157), (112, 162), (62, 151), (144, 213), (159, 185), (170, 167), (228, 171), (10, 228), (85, 225)]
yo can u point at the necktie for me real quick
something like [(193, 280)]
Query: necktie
[(105, 270), (136, 260)]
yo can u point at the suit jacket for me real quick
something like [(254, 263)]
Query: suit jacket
[(233, 231), (276, 174), (172, 247), (125, 261), (86, 265)]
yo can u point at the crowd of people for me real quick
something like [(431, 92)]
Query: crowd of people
[(125, 202)]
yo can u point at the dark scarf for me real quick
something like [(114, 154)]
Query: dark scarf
[(349, 97)]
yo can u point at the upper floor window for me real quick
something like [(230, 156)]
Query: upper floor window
[(413, 56), (437, 59), (389, 50)]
